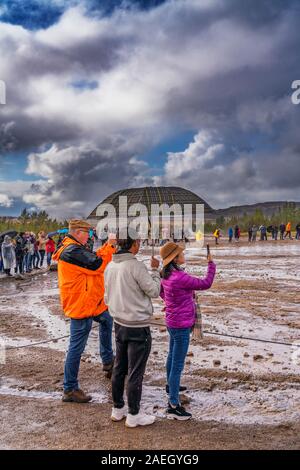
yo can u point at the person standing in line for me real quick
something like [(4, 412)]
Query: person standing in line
[(217, 234), (263, 232), (230, 234), (1, 260), (36, 255), (129, 289), (50, 249), (237, 233), (254, 233), (298, 231), (42, 246), (249, 233), (282, 230), (19, 250), (8, 255), (275, 232), (288, 230), (30, 251)]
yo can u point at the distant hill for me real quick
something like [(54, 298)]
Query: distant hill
[(268, 209)]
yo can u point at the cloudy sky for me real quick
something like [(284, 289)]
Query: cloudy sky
[(103, 95)]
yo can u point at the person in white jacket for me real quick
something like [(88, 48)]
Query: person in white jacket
[(129, 288), (8, 255)]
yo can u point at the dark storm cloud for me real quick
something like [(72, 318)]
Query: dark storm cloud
[(223, 68), (79, 177)]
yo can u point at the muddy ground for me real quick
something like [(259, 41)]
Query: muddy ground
[(243, 394)]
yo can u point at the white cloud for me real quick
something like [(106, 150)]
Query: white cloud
[(73, 28), (16, 188), (5, 201)]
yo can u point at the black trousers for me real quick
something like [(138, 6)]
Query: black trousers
[(42, 256), (133, 346), (19, 264)]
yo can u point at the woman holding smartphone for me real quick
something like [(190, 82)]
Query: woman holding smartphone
[(177, 291)]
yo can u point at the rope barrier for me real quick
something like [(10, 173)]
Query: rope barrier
[(281, 343), (238, 337), (42, 342)]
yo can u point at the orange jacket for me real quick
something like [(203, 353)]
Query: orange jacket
[(81, 278), (288, 227)]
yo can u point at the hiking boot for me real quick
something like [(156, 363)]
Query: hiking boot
[(182, 388), (108, 368), (76, 396), (132, 421), (118, 414), (178, 412)]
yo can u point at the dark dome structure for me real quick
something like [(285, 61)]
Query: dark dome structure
[(156, 195)]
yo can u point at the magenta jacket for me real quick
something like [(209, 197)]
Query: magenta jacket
[(178, 293)]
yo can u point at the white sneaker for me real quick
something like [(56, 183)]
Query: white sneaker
[(118, 414), (139, 420)]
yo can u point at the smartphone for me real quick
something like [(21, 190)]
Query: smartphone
[(208, 250)]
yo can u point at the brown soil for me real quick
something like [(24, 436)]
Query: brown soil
[(47, 423)]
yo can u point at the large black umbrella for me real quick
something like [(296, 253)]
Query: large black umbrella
[(10, 233)]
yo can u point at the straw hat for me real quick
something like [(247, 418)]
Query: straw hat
[(169, 251)]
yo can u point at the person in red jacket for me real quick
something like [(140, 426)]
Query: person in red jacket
[(50, 248)]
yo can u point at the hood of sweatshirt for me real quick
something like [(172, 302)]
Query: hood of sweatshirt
[(121, 257)]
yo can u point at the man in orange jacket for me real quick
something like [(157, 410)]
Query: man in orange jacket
[(81, 283)]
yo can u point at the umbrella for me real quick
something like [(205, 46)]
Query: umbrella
[(60, 231), (10, 233)]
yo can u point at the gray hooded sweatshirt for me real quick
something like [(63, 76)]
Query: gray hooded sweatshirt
[(129, 288)]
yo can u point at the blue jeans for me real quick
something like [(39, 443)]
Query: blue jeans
[(80, 330), (178, 348), (49, 258), (105, 336), (28, 262), (79, 333), (36, 259)]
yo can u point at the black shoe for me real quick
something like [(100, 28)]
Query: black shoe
[(178, 413), (108, 368), (182, 388)]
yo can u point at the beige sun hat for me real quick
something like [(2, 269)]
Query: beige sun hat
[(169, 251)]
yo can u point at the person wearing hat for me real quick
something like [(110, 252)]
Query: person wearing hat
[(81, 283), (177, 291)]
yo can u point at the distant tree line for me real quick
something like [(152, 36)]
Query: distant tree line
[(32, 221), (287, 213)]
